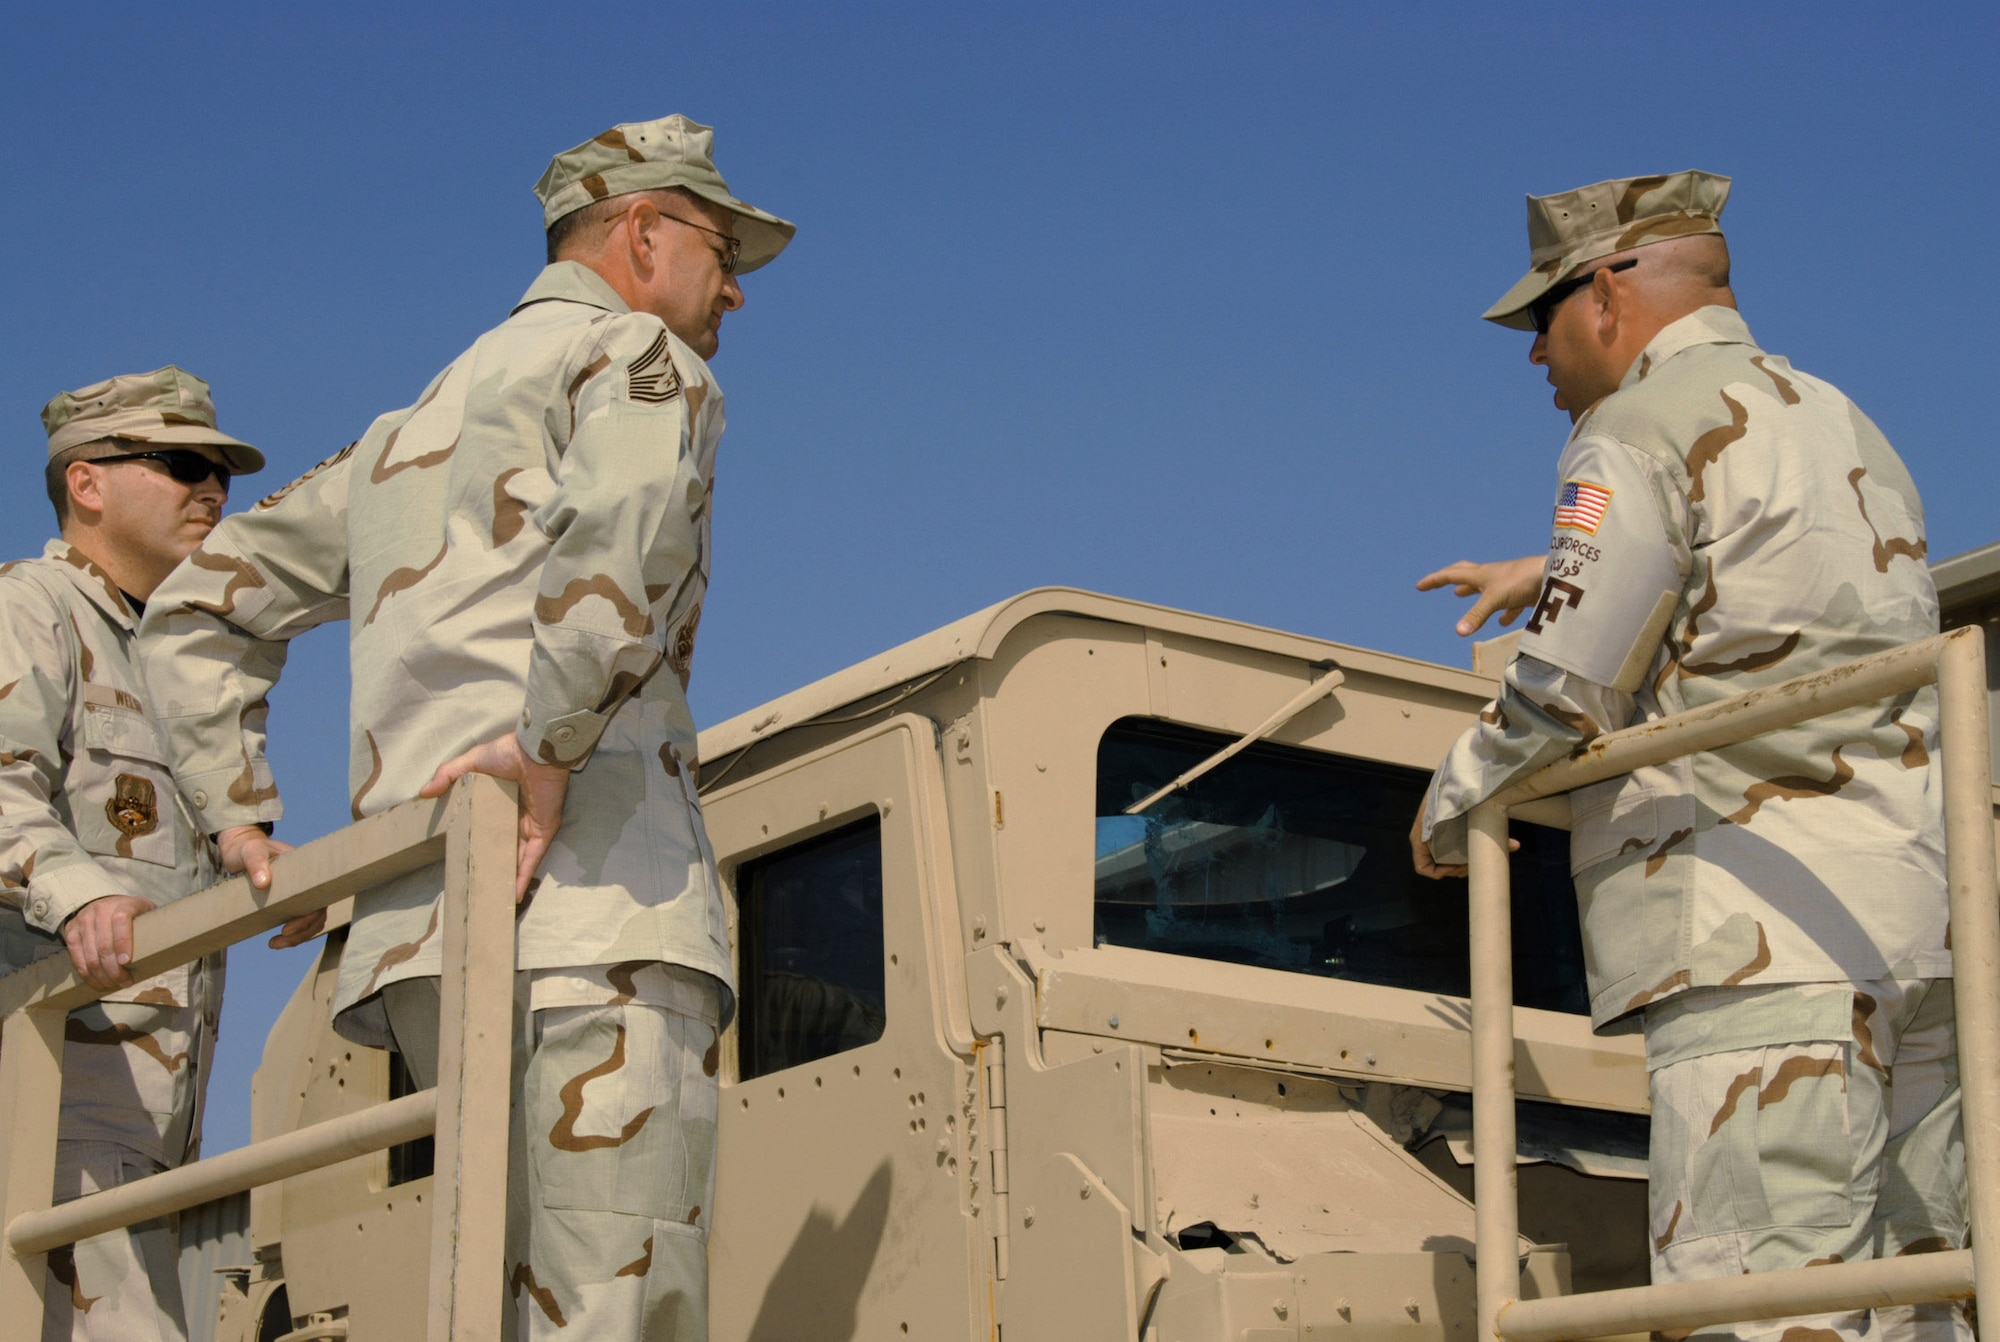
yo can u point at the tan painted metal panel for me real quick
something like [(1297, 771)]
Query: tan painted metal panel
[(1331, 1026), (842, 1185)]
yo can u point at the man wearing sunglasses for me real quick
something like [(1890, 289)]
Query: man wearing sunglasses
[(93, 832), (1772, 914), (522, 557)]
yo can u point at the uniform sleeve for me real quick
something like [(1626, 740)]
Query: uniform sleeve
[(217, 631), (1618, 561), (622, 527), (44, 871)]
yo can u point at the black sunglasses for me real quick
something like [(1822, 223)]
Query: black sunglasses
[(183, 464), (1544, 307)]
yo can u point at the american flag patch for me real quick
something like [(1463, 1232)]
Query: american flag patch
[(1581, 505)]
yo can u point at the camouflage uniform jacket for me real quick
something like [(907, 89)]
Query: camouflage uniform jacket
[(1725, 522), (521, 549), (89, 809)]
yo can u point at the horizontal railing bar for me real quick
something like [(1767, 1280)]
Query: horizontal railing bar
[(1870, 1284), (367, 853), (264, 1162), (1882, 676)]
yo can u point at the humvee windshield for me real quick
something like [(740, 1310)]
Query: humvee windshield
[(1300, 860)]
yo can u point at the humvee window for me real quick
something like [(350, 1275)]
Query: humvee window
[(1299, 860), (811, 946)]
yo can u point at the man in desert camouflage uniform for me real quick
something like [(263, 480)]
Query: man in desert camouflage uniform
[(518, 555), (1773, 912), (92, 831)]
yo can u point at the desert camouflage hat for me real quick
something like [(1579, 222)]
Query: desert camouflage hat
[(1568, 229), (168, 406), (649, 156)]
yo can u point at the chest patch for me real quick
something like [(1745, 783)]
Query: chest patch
[(134, 808)]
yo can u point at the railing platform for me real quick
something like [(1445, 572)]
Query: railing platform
[(471, 831), (1956, 663)]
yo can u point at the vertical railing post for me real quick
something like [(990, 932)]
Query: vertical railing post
[(1975, 937), (31, 1045), (1496, 1214), (475, 1038)]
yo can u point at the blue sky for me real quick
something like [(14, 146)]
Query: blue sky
[(1173, 301)]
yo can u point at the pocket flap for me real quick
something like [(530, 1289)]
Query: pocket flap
[(117, 730), (1607, 819)]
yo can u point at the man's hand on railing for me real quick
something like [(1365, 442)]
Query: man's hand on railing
[(1420, 855), (99, 937), (249, 850), (1509, 586), (542, 789)]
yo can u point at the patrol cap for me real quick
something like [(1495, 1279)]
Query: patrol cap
[(168, 406), (650, 156), (1572, 227)]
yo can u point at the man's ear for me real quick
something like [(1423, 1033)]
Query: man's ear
[(1610, 303), (639, 235), (86, 486)]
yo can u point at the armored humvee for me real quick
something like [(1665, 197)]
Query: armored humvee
[(1026, 1050)]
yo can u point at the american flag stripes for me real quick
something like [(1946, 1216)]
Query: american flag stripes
[(1581, 505)]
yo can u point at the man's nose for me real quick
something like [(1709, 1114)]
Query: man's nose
[(212, 490), (1538, 353), (732, 294)]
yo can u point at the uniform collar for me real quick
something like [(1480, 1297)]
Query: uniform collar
[(92, 581), (1703, 326), (572, 282)]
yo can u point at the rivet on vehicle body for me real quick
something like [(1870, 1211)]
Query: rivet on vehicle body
[(1000, 995), (1084, 1192), (1410, 1308), (1280, 1308), (1028, 1219), (1371, 1060), (1112, 1022)]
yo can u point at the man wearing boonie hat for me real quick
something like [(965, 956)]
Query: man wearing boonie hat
[(522, 556), (94, 833), (1772, 913)]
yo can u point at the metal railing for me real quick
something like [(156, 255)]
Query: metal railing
[(1956, 662), (471, 830)]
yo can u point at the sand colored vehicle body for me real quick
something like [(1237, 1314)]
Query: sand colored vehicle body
[(964, 1105)]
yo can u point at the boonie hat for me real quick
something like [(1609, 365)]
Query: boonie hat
[(1568, 229), (169, 406), (650, 156)]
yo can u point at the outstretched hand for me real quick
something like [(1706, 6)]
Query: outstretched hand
[(542, 789), (248, 849), (1509, 586)]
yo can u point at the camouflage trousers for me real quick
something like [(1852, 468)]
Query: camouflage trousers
[(121, 1286), (131, 1089), (611, 1160), (1804, 1124)]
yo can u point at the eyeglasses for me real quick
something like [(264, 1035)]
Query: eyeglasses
[(183, 464), (732, 248), (1544, 307)]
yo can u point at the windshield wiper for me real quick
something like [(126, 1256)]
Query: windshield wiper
[(1311, 694)]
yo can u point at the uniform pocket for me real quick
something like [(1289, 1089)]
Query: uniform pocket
[(1752, 1139), (622, 1105), (1610, 818), (119, 786)]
